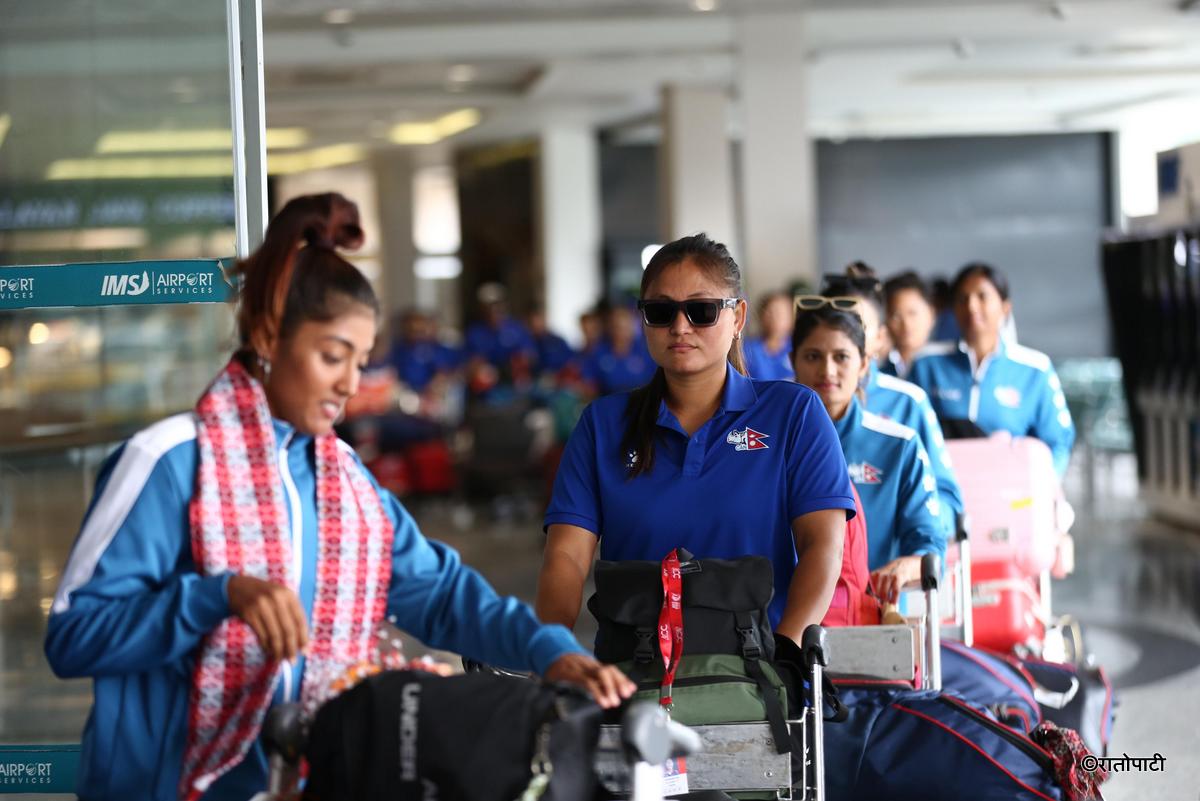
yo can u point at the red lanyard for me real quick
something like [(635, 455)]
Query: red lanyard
[(670, 624)]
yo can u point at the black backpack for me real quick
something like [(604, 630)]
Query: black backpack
[(728, 672), (415, 736)]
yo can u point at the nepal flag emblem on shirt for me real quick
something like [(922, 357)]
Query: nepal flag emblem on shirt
[(865, 473), (747, 440)]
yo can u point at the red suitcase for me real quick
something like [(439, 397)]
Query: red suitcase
[(1007, 608), (431, 467)]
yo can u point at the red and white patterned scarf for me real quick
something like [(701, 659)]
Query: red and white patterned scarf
[(239, 524)]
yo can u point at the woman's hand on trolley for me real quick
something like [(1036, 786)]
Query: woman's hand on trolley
[(607, 684), (273, 612), (888, 580)]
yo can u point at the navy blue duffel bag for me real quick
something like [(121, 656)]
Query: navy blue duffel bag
[(992, 681), (1079, 698), (925, 745)]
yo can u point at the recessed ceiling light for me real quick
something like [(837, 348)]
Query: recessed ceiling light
[(338, 16), (704, 5)]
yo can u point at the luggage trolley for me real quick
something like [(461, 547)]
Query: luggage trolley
[(909, 652), (741, 757), (730, 757)]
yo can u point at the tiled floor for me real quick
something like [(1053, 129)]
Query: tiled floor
[(1136, 590)]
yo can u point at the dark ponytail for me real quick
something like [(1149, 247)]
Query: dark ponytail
[(296, 275), (858, 281), (641, 412)]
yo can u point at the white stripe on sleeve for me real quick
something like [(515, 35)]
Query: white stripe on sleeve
[(124, 486)]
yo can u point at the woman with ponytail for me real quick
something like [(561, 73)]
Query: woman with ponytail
[(702, 457), (238, 555)]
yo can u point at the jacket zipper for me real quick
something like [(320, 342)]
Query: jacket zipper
[(288, 667), (1031, 748)]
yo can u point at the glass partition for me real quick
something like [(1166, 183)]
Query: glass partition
[(115, 145)]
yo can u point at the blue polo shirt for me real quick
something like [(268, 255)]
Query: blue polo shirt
[(612, 372), (906, 403), (766, 365), (767, 456), (498, 345), (1014, 389), (891, 472), (416, 363), (553, 352)]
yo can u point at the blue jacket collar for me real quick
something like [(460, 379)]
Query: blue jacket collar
[(979, 365), (872, 377), (850, 420), (286, 434)]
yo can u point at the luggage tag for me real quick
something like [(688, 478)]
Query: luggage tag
[(675, 777)]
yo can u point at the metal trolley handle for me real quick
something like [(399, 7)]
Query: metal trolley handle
[(931, 571)]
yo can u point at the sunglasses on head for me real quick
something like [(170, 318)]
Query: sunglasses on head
[(839, 284), (700, 312), (838, 303)]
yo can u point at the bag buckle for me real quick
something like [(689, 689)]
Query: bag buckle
[(643, 653), (751, 649)]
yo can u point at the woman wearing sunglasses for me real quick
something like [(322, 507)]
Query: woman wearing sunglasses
[(887, 463), (894, 398), (996, 384), (702, 457)]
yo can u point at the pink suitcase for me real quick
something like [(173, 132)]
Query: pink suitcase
[(1010, 493)]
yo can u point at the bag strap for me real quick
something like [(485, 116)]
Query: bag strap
[(752, 652)]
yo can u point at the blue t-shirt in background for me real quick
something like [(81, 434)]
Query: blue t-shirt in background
[(498, 345), (766, 365), (612, 372)]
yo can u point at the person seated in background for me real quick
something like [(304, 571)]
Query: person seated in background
[(887, 463), (499, 349), (591, 326), (620, 362), (417, 355), (990, 381), (553, 352), (893, 398), (769, 356), (910, 319)]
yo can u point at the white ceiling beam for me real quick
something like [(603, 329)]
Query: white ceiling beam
[(524, 40)]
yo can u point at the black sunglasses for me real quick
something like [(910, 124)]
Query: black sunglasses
[(700, 312)]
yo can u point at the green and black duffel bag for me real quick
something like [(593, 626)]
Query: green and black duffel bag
[(726, 673)]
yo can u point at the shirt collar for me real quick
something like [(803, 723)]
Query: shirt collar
[(850, 419), (872, 377), (738, 395)]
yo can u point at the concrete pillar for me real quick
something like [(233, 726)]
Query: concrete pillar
[(778, 157), (695, 166), (568, 192), (393, 172)]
